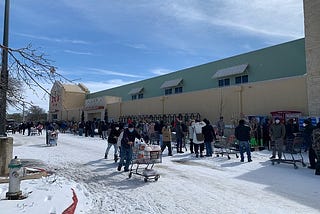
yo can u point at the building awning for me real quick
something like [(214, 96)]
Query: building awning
[(136, 91), (171, 83), (239, 69)]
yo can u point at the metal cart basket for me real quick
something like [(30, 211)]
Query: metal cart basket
[(143, 159)]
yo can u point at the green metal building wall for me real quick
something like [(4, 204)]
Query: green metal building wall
[(279, 61)]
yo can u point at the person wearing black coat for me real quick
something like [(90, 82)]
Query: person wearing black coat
[(209, 135), (112, 141), (242, 133), (127, 141)]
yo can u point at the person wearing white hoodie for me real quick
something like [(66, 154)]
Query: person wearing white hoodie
[(198, 139)]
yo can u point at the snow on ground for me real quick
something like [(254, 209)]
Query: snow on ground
[(187, 184)]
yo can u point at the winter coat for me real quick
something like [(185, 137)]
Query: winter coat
[(114, 134), (191, 131), (208, 132), (242, 133), (129, 137), (197, 129), (166, 134), (179, 130), (277, 131)]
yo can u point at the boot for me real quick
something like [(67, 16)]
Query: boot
[(116, 158)]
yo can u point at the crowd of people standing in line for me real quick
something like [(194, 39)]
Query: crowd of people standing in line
[(272, 134)]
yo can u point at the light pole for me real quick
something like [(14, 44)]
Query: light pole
[(4, 71)]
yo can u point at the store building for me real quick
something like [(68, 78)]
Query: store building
[(67, 101), (254, 83)]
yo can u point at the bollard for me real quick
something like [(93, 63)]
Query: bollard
[(14, 179)]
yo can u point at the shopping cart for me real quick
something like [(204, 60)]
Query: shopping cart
[(226, 146), (143, 159), (52, 138), (292, 153)]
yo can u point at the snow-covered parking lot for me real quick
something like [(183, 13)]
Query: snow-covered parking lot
[(187, 184)]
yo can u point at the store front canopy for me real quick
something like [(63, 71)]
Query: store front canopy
[(171, 83), (239, 69)]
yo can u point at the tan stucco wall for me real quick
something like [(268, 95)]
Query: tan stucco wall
[(250, 99), (73, 100)]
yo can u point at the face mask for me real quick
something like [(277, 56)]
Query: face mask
[(117, 128), (277, 121), (130, 130)]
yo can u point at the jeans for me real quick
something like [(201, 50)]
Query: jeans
[(179, 144), (209, 150), (278, 146), (244, 147), (160, 139), (125, 157), (80, 131), (114, 147)]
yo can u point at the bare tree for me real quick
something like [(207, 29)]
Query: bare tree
[(14, 93), (30, 68), (35, 113)]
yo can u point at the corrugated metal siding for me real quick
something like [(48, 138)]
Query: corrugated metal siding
[(284, 60)]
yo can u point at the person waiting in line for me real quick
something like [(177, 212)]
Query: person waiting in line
[(198, 142), (127, 141), (209, 135), (166, 139), (314, 150), (112, 141), (190, 135), (307, 134), (277, 134), (290, 134), (242, 134), (179, 135), (220, 126)]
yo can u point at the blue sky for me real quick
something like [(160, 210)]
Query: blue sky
[(107, 43)]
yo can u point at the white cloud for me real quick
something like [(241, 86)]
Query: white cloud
[(78, 52), (161, 71), (99, 86), (51, 39), (115, 73)]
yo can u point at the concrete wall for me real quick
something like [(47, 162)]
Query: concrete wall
[(231, 102), (312, 46)]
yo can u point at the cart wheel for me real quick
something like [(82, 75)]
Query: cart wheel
[(229, 157), (145, 179), (130, 174), (272, 162), (157, 177), (237, 156), (304, 165), (295, 166)]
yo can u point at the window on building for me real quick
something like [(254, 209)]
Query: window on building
[(140, 96), (178, 90), (168, 91), (134, 97), (54, 116), (241, 79), (224, 82)]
